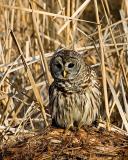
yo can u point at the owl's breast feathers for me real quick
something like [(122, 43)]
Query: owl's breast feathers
[(81, 83), (80, 104)]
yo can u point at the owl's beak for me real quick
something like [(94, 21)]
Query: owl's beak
[(64, 74)]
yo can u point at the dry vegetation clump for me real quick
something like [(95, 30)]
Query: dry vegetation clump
[(88, 143), (30, 31)]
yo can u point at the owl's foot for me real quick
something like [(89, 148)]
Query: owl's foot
[(68, 127), (95, 123), (54, 124), (80, 125)]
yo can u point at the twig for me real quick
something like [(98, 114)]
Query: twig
[(103, 65)]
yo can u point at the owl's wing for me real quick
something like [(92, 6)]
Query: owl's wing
[(51, 90), (51, 96)]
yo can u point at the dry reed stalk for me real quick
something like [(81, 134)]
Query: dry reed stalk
[(36, 92), (41, 47), (77, 13), (124, 6), (124, 98), (18, 67), (122, 14), (103, 66), (24, 119), (7, 71), (46, 13), (110, 26), (125, 122), (56, 41), (113, 128), (68, 27), (2, 54), (125, 28), (18, 111), (114, 41), (114, 103), (5, 130), (11, 27), (9, 111)]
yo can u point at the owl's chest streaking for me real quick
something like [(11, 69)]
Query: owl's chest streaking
[(72, 103)]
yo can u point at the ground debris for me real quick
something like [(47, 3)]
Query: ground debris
[(52, 143)]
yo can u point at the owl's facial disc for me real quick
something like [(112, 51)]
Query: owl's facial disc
[(57, 68), (70, 69), (65, 67)]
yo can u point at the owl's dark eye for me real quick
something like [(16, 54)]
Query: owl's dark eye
[(58, 65), (70, 65)]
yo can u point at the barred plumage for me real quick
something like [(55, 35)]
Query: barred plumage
[(75, 96)]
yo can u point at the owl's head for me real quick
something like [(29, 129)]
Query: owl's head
[(66, 64)]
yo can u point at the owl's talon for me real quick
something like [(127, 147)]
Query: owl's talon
[(80, 125), (68, 128)]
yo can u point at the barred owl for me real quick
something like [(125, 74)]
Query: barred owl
[(74, 95)]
